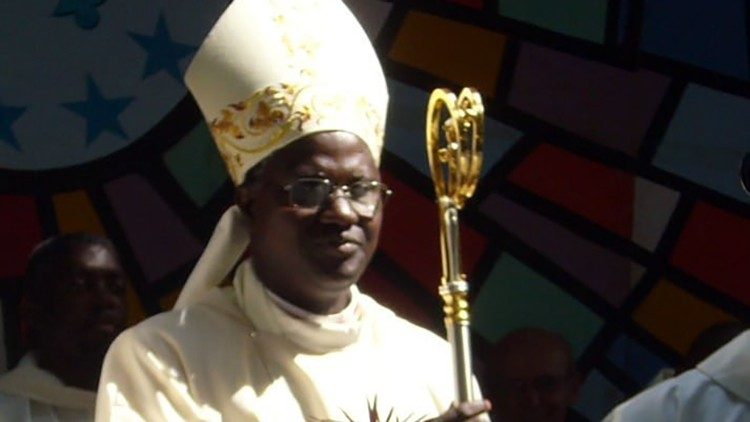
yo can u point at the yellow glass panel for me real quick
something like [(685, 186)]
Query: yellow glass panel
[(75, 213), (454, 51), (676, 317)]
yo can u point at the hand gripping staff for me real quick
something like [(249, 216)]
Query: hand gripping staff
[(455, 163)]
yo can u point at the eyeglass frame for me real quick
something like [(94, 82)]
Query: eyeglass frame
[(345, 188)]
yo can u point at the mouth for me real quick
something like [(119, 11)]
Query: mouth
[(338, 256), (340, 247), (107, 323), (106, 327)]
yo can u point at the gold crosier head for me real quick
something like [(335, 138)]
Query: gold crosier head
[(455, 163)]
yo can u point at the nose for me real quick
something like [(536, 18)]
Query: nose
[(531, 397), (339, 211), (102, 291)]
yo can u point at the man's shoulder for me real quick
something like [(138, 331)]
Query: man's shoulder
[(15, 381), (692, 394), (14, 407), (213, 315)]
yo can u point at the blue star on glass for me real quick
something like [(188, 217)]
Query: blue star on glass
[(100, 113), (162, 52), (87, 17), (8, 116)]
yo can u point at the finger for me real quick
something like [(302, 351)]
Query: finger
[(469, 410), (463, 412)]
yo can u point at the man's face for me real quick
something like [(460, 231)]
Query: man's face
[(311, 257), (89, 307), (533, 385)]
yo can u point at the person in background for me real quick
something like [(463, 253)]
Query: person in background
[(74, 307), (295, 99), (531, 376)]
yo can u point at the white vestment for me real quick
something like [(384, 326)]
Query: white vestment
[(29, 393), (718, 389), (235, 355)]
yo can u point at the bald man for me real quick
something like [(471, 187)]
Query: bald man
[(532, 377)]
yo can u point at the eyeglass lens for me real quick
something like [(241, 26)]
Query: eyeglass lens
[(364, 197)]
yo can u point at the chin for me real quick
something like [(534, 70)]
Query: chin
[(336, 279), (98, 341), (342, 271)]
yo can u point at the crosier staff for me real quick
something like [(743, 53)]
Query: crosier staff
[(455, 163)]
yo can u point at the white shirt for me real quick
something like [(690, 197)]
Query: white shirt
[(29, 393), (718, 389)]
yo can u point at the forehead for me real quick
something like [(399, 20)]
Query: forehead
[(94, 255), (529, 363), (331, 153)]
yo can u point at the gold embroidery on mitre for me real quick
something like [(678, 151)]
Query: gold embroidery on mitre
[(247, 131)]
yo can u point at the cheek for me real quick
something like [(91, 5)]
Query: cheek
[(372, 228), (71, 313), (278, 234), (556, 399)]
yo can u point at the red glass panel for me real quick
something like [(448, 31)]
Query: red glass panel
[(590, 189), (20, 231), (411, 235), (715, 247)]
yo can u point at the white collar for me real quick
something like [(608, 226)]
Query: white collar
[(315, 333), (348, 315), (29, 380)]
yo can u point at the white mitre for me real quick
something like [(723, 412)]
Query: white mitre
[(271, 72)]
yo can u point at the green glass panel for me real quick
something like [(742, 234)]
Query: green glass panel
[(584, 19), (196, 165), (515, 296)]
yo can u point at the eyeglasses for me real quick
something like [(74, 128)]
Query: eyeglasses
[(365, 196)]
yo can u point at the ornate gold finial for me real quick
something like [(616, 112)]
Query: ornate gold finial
[(456, 165)]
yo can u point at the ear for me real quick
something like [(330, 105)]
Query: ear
[(244, 196)]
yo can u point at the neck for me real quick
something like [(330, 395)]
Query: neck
[(302, 313), (79, 371), (328, 306)]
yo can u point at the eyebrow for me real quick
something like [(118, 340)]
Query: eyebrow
[(308, 170)]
